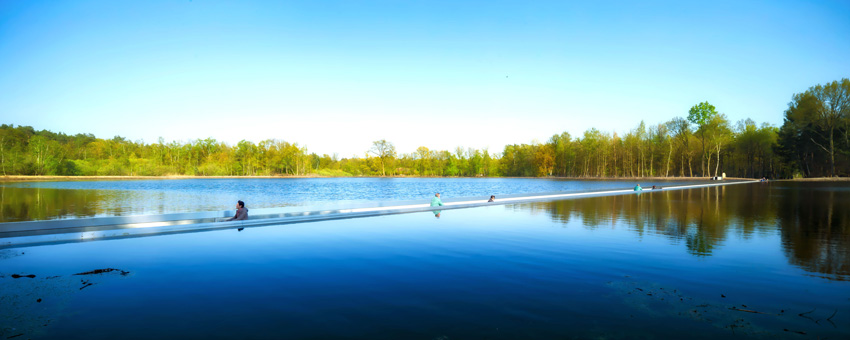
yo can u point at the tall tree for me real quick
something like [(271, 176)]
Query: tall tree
[(831, 112), (813, 121), (385, 151), (701, 114), (682, 131), (423, 159), (720, 134)]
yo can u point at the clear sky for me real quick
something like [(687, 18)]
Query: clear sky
[(337, 75)]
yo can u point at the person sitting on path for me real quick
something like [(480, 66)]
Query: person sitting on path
[(638, 188), (436, 201), (492, 198), (241, 212)]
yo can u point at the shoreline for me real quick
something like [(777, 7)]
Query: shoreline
[(39, 178), (816, 179), (36, 178)]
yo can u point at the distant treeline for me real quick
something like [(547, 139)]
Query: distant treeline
[(812, 142)]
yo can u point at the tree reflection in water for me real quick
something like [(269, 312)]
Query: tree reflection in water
[(815, 226), (28, 204), (813, 218)]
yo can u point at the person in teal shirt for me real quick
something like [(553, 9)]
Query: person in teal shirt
[(638, 188), (437, 202)]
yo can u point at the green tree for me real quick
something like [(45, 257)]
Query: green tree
[(813, 121), (40, 149), (564, 153), (385, 151), (720, 134), (701, 114), (831, 111), (423, 160), (661, 139)]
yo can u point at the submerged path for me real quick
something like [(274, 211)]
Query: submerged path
[(16, 234)]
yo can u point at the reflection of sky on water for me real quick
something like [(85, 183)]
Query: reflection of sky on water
[(50, 200), (608, 267)]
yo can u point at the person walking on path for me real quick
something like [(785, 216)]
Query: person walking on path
[(241, 212)]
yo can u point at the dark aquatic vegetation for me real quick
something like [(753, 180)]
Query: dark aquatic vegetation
[(101, 271)]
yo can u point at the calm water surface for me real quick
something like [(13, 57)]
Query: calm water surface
[(52, 200), (683, 264)]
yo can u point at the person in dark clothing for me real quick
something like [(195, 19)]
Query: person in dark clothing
[(241, 212), (492, 198)]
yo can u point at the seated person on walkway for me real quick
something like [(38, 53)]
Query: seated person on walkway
[(492, 198), (638, 188), (241, 212), (436, 201)]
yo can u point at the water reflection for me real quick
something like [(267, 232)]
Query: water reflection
[(815, 228), (26, 204), (22, 204), (813, 219), (71, 199)]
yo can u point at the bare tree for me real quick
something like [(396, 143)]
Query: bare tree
[(833, 107), (383, 150)]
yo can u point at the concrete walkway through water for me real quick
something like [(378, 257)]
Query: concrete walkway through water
[(17, 234)]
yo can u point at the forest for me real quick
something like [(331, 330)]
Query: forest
[(813, 141)]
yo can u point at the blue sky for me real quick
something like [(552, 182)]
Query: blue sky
[(337, 75)]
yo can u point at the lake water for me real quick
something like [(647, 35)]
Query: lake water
[(760, 261), (27, 201)]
